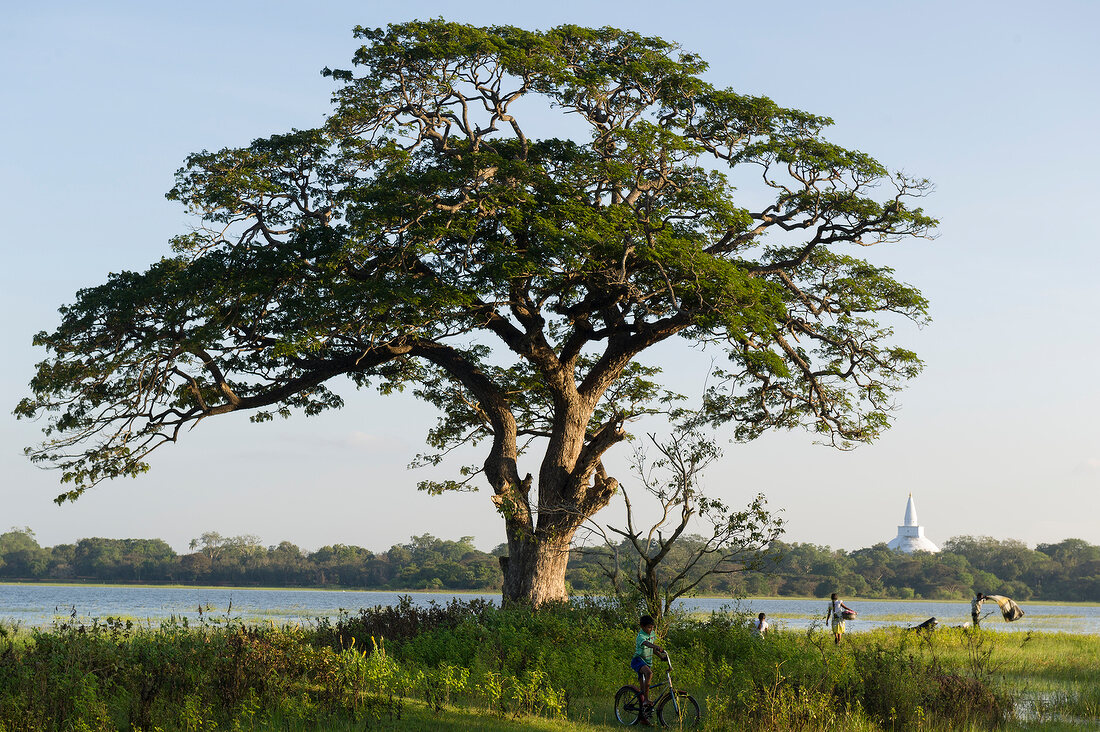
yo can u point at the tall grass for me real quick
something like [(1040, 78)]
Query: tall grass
[(391, 668)]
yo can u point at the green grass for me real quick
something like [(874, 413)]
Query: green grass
[(557, 669), (1054, 677), (416, 716)]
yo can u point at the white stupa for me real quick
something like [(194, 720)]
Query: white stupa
[(910, 536)]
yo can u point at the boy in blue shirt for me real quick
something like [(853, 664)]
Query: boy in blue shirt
[(643, 657)]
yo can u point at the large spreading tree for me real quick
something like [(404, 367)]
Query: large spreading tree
[(503, 220)]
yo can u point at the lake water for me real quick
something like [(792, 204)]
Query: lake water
[(42, 605)]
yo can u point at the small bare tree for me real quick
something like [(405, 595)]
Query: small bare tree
[(665, 561)]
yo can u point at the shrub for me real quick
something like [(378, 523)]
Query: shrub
[(511, 661)]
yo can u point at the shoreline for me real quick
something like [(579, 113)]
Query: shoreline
[(403, 591), (263, 588)]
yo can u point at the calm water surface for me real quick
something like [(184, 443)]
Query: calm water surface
[(41, 605)]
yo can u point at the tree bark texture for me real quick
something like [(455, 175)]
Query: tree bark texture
[(534, 570)]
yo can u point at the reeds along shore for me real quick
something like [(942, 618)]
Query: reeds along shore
[(385, 666)]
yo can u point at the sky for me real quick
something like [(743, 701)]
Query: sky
[(997, 103)]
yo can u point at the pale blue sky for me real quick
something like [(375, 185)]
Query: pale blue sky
[(997, 103)]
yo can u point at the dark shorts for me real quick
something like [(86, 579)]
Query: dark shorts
[(638, 663)]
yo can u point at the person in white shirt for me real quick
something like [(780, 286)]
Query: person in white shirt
[(760, 627), (835, 614)]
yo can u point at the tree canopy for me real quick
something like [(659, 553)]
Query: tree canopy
[(429, 235)]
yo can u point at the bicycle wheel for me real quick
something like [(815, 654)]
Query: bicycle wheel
[(679, 712), (628, 705)]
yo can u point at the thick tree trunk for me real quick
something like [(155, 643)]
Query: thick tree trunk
[(571, 488), (534, 570)]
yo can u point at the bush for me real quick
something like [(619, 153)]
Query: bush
[(555, 662)]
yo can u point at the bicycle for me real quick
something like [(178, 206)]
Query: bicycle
[(674, 707)]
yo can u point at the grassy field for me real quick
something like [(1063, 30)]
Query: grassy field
[(471, 666), (1052, 677)]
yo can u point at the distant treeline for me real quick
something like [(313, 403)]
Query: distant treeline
[(1066, 571), (424, 563)]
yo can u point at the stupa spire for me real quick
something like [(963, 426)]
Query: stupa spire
[(911, 536)]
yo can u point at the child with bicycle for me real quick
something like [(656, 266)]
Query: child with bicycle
[(642, 662)]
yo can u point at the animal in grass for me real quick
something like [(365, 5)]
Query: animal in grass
[(929, 624)]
